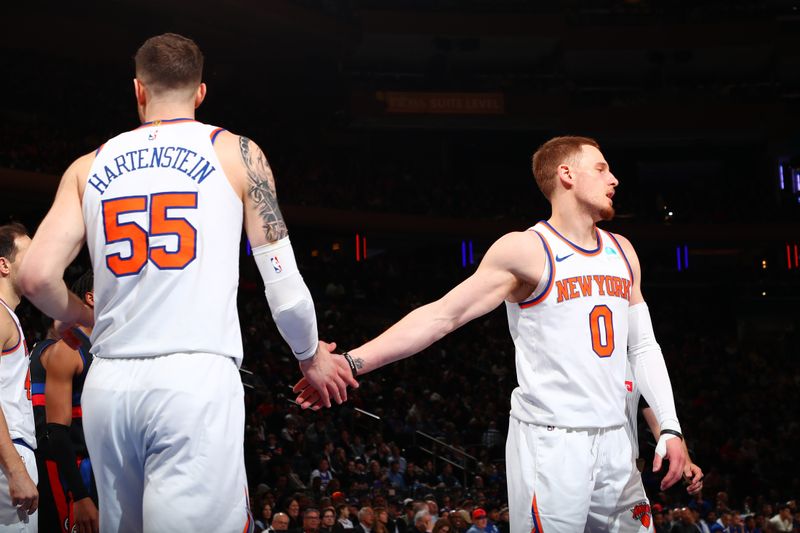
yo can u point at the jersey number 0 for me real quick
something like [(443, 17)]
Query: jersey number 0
[(139, 238), (601, 325)]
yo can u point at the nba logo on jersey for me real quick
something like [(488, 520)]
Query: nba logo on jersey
[(629, 385), (276, 264), (152, 136)]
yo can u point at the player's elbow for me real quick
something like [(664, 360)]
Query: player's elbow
[(32, 282)]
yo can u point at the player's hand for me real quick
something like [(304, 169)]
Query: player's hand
[(693, 477), (86, 517), (66, 330), (671, 448), (22, 489), (325, 376)]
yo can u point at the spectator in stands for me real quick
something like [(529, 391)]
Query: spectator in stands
[(292, 508), (442, 525), (396, 478), (328, 520), (343, 516), (323, 472), (265, 519), (422, 522), (783, 520), (723, 523), (479, 521), (280, 522), (366, 520), (311, 520)]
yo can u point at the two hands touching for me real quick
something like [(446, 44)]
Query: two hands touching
[(326, 376)]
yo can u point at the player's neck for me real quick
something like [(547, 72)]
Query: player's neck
[(8, 294), (167, 111), (579, 228)]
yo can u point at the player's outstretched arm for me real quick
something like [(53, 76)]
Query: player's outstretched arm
[(500, 275), (650, 372), (288, 296), (57, 241)]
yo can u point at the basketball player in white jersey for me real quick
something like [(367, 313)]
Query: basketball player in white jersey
[(161, 208), (576, 313), (19, 498)]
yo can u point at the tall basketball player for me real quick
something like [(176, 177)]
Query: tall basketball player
[(576, 313), (161, 208), (19, 498)]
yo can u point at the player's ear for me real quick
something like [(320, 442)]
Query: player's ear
[(200, 95), (5, 266), (141, 92), (564, 176), (89, 298)]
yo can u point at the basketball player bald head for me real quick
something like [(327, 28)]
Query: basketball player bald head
[(169, 69)]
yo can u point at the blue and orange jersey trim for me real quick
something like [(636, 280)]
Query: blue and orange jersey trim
[(214, 134), (549, 286), (165, 121), (582, 251), (622, 252), (20, 335), (97, 152)]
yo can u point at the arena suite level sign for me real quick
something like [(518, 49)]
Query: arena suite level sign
[(443, 103)]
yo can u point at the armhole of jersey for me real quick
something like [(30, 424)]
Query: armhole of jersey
[(214, 134), (622, 252), (543, 289), (97, 152), (19, 331)]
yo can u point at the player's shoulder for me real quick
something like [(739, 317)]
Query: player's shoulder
[(517, 248), (8, 327), (624, 243), (61, 357)]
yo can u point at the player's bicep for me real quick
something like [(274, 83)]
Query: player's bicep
[(263, 220), (58, 384), (479, 294)]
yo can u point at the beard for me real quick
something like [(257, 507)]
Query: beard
[(607, 213)]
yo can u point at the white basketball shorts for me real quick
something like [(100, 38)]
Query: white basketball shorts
[(166, 437), (573, 480), (11, 518)]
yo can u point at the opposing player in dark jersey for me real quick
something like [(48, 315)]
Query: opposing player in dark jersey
[(57, 376)]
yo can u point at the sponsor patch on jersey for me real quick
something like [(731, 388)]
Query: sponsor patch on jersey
[(629, 385), (641, 512), (610, 251), (276, 265)]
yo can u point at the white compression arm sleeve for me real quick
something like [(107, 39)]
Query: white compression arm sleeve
[(288, 297), (649, 369)]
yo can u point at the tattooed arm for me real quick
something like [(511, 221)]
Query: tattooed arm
[(287, 294), (263, 218)]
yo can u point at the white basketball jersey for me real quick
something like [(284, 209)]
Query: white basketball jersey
[(15, 388), (163, 229), (571, 336)]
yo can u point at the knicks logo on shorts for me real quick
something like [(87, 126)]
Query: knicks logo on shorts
[(641, 512), (276, 265)]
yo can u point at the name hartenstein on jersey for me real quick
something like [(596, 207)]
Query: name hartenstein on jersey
[(184, 160), (581, 286)]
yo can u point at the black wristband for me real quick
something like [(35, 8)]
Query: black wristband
[(672, 432), (349, 359), (62, 452)]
